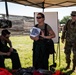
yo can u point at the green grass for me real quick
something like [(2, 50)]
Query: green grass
[(23, 45)]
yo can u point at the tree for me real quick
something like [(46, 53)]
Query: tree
[(64, 20)]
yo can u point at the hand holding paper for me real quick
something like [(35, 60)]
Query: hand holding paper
[(35, 32)]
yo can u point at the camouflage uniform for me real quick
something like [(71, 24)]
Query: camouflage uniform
[(69, 34)]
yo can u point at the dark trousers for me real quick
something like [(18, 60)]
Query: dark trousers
[(15, 60), (40, 56)]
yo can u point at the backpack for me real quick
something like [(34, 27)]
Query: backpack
[(4, 72), (24, 71)]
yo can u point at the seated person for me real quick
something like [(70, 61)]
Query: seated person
[(6, 51)]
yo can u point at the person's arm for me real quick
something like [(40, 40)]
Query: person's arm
[(3, 53), (50, 32), (9, 43), (34, 38), (64, 33), (50, 36), (7, 40)]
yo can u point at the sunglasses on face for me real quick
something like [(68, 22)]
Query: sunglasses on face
[(73, 15), (38, 17)]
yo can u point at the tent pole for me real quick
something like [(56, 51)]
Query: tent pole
[(43, 6), (6, 6), (43, 9)]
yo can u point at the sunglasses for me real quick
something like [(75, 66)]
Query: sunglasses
[(38, 17), (73, 15)]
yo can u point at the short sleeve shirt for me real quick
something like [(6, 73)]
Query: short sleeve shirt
[(43, 28)]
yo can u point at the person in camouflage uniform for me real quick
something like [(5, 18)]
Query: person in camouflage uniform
[(69, 35)]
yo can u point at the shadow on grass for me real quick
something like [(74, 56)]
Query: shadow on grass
[(66, 72)]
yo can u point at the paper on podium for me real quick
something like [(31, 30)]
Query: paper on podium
[(34, 32)]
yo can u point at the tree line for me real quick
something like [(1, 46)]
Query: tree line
[(64, 20)]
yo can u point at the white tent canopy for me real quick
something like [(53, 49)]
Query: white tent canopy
[(45, 3), (42, 3)]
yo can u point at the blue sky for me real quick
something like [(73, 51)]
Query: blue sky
[(16, 9)]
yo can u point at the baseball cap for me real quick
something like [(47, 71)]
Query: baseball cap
[(73, 13)]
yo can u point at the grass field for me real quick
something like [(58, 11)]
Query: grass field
[(23, 44)]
